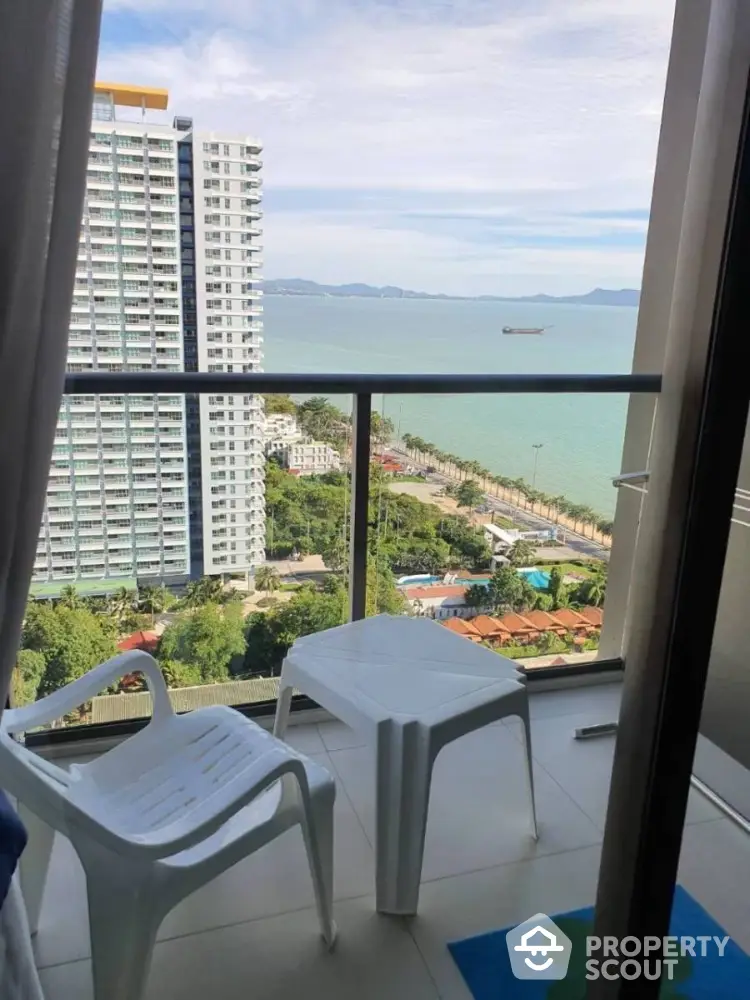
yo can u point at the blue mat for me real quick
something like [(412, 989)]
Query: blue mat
[(485, 965)]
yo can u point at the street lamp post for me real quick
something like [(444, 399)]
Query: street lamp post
[(536, 448)]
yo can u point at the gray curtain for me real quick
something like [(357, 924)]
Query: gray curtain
[(48, 51)]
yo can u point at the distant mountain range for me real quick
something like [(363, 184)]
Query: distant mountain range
[(300, 286)]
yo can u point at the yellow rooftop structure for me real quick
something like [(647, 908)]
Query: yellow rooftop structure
[(128, 95)]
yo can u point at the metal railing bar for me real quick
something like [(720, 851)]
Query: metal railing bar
[(343, 384), (360, 505)]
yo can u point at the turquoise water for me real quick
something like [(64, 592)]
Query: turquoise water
[(415, 581), (538, 578), (581, 435)]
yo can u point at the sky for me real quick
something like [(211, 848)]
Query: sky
[(461, 146)]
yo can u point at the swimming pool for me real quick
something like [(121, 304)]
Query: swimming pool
[(416, 581), (538, 578)]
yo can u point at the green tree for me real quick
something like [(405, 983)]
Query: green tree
[(207, 590), (69, 597), (321, 420), (468, 545), (506, 590), (121, 602), (152, 600), (594, 589), (543, 602), (555, 586), (205, 639), (276, 402), (549, 642), (469, 494), (335, 553), (231, 596), (27, 676), (178, 674), (71, 640), (478, 596), (381, 429), (383, 596), (133, 621), (522, 552), (267, 579), (269, 636)]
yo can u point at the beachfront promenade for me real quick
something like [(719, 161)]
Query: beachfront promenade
[(506, 502)]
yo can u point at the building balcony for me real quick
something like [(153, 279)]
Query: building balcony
[(477, 876), (482, 871)]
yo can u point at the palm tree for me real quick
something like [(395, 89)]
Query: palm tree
[(576, 512), (521, 553), (589, 516), (520, 486), (561, 505), (484, 475), (70, 598), (267, 579), (207, 590), (594, 590), (121, 602), (533, 496), (152, 600)]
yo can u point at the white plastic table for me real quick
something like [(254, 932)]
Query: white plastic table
[(410, 687)]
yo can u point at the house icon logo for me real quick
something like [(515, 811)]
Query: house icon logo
[(538, 949)]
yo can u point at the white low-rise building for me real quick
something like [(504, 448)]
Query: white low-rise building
[(280, 429), (308, 458), (438, 601), (501, 540)]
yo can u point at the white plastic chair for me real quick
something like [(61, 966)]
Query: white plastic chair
[(160, 815)]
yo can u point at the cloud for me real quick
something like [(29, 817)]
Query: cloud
[(539, 110)]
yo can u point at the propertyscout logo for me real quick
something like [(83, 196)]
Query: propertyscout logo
[(539, 949)]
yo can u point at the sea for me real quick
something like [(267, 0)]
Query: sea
[(581, 435)]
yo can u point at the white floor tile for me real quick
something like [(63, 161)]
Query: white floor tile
[(305, 739), (274, 880), (715, 870), (465, 905), (479, 813), (338, 736), (584, 767), (276, 959)]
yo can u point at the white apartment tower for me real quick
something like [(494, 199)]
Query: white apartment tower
[(119, 507), (226, 180)]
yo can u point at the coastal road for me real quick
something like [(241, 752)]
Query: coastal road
[(524, 518)]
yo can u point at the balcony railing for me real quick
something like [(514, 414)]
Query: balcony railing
[(361, 387)]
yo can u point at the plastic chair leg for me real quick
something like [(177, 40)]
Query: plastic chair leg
[(283, 706), (526, 724), (404, 773), (34, 864), (317, 830), (124, 916)]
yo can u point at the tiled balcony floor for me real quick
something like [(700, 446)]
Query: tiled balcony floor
[(253, 932)]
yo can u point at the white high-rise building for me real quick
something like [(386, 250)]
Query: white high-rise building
[(226, 180), (119, 507)]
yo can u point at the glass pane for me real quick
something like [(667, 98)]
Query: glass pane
[(483, 539), (723, 756), (153, 525)]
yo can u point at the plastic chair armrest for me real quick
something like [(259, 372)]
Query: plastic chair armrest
[(79, 691)]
